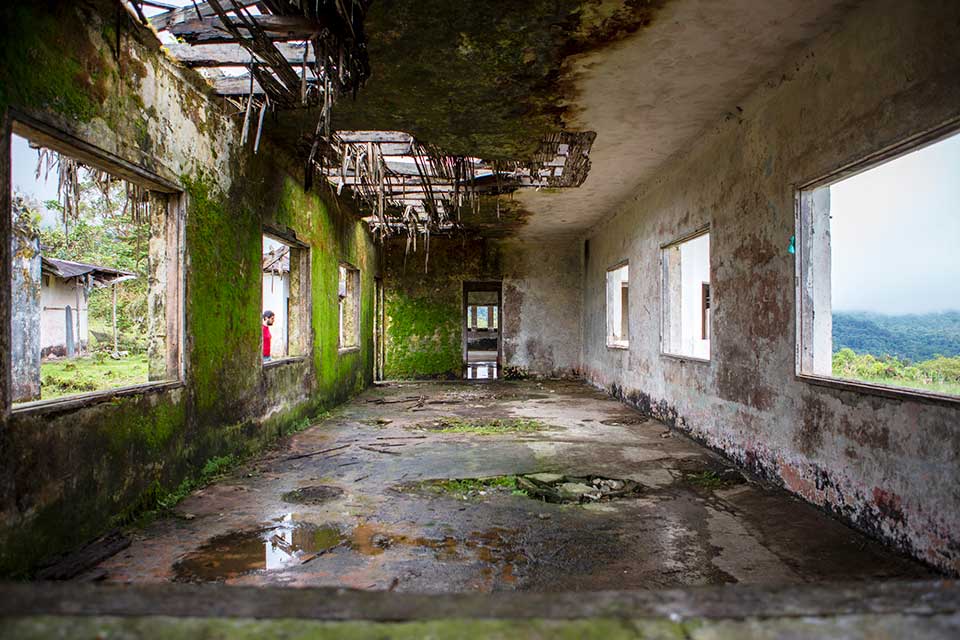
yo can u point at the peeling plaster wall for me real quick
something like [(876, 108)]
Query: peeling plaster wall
[(541, 305), (541, 301), (72, 471), (888, 466)]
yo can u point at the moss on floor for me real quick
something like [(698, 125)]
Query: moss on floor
[(482, 426)]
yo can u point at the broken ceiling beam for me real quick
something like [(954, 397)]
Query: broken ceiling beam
[(165, 20), (374, 136), (213, 30), (232, 54), (240, 85), (235, 86)]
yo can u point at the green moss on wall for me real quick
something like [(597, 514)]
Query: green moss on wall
[(70, 474), (223, 297), (425, 311), (424, 336), (48, 63)]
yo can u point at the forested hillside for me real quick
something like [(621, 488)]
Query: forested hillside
[(908, 337)]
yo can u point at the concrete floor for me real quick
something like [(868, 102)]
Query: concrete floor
[(384, 532)]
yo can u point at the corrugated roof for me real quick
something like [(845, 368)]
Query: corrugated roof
[(68, 269)]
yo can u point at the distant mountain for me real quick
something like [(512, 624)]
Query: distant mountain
[(912, 337)]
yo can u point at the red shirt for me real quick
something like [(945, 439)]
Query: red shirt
[(266, 341)]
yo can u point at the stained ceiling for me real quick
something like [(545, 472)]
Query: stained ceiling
[(545, 116)]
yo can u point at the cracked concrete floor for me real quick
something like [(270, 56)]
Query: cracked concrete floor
[(365, 527)]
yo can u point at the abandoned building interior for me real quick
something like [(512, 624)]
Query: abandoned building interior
[(639, 318)]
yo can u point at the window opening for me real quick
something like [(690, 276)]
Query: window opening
[(618, 307), (94, 279), (879, 272), (349, 300), (284, 315), (687, 297)]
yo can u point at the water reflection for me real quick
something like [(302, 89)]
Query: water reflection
[(482, 371), (243, 552)]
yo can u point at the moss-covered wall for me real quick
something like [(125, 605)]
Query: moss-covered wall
[(423, 337), (89, 70), (424, 307)]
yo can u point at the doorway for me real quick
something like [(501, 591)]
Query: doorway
[(482, 322)]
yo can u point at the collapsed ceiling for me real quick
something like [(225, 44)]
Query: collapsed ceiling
[(297, 60), (455, 104)]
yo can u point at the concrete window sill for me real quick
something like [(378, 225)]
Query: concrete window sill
[(282, 361), (623, 346), (866, 388), (682, 359), (59, 405), (343, 350)]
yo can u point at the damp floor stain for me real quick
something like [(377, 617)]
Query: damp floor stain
[(601, 500)]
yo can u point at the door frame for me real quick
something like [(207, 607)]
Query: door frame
[(482, 285)]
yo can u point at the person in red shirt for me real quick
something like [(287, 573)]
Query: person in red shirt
[(268, 318)]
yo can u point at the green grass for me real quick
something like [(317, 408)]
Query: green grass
[(82, 375), (707, 480), (939, 374), (948, 388), (471, 487), (483, 427)]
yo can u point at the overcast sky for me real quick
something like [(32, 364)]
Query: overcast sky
[(895, 234), (23, 178)]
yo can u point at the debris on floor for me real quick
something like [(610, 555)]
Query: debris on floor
[(548, 487)]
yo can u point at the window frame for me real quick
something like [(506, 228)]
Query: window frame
[(65, 143), (304, 303), (706, 230), (354, 272), (623, 345), (804, 313)]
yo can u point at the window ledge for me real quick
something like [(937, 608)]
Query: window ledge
[(681, 358), (867, 388), (282, 361), (343, 350), (57, 405), (624, 346)]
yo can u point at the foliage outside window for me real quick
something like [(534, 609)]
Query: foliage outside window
[(879, 271), (95, 261)]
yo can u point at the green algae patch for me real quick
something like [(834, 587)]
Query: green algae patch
[(471, 488), (482, 427), (599, 628), (48, 64)]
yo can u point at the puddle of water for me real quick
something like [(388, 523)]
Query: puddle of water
[(242, 552), (482, 371), (289, 543)]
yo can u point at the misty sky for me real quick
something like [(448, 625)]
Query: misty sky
[(895, 234), (23, 178)]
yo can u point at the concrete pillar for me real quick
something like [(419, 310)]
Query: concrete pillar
[(816, 307), (25, 306)]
